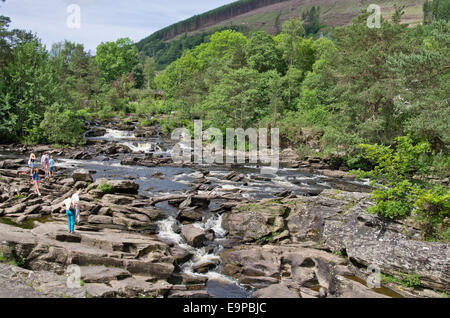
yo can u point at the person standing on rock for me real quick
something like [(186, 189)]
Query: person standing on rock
[(31, 163), (51, 166), (76, 203), (68, 205), (45, 162), (36, 180)]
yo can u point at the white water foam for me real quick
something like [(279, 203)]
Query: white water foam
[(146, 147), (118, 134), (200, 255)]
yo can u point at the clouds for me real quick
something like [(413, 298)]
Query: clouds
[(101, 20)]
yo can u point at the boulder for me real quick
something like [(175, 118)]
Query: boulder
[(117, 186), (252, 222), (187, 279), (190, 215), (117, 199), (190, 294), (204, 267), (281, 290), (180, 255), (195, 202), (100, 219), (18, 208), (82, 175), (101, 274), (12, 164), (133, 287), (193, 235), (99, 290), (96, 132), (156, 270)]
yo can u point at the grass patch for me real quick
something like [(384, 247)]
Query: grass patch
[(106, 188), (11, 260), (405, 280), (248, 207), (28, 224)]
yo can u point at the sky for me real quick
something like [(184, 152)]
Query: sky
[(100, 20)]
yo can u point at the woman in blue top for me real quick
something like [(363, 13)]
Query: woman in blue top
[(36, 180)]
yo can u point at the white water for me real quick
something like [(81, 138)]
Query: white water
[(200, 255), (117, 134), (145, 147)]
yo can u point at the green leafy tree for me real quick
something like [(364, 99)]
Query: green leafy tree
[(116, 58), (262, 53), (62, 125), (427, 12), (399, 11), (237, 100), (312, 20), (441, 10), (149, 70), (288, 40), (31, 86)]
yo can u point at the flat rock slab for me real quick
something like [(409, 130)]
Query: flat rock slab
[(100, 291), (189, 294), (134, 287), (281, 290), (67, 237), (101, 274), (18, 282)]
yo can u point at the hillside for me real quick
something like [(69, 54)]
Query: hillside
[(267, 15)]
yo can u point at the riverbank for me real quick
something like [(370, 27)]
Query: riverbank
[(152, 228)]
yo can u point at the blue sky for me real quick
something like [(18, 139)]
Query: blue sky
[(100, 19)]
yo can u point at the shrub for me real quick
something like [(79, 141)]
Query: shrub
[(432, 211), (62, 125), (402, 180), (106, 188)]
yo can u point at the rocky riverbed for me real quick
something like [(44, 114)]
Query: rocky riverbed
[(153, 228)]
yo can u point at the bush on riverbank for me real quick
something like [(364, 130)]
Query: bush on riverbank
[(401, 176)]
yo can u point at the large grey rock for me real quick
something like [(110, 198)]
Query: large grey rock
[(82, 175), (96, 132), (132, 287), (99, 291), (193, 235), (117, 186), (117, 199), (12, 164), (281, 290), (18, 208), (17, 282), (101, 274), (100, 219), (252, 222), (194, 202), (338, 221), (192, 214), (189, 294)]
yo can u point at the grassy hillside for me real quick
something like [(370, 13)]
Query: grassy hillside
[(166, 45), (333, 13)]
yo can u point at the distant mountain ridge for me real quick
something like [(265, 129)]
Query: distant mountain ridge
[(211, 18)]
